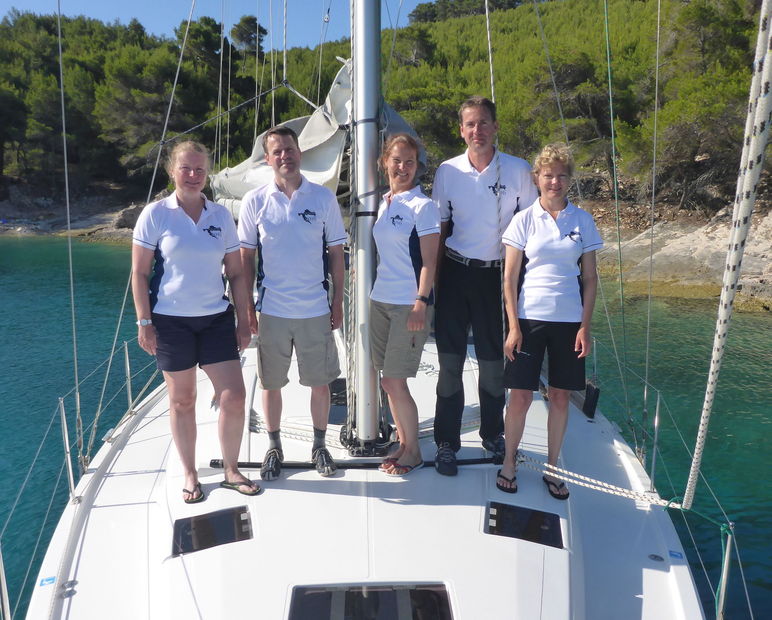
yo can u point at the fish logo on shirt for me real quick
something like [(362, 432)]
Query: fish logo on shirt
[(308, 216), (397, 221), (497, 188), (214, 231), (574, 235)]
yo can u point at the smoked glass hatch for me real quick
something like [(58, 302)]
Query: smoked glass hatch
[(428, 601), (210, 530), (524, 523)]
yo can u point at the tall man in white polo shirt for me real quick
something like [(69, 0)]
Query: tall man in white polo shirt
[(294, 229), (478, 192)]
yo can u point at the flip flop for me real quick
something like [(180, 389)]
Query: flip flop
[(402, 470), (556, 493), (387, 463), (194, 500), (254, 489), (511, 480)]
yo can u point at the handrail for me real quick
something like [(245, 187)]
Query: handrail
[(5, 605)]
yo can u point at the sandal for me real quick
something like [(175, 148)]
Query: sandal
[(558, 487), (506, 489), (387, 463), (402, 470), (198, 498), (254, 489), (271, 467), (325, 466)]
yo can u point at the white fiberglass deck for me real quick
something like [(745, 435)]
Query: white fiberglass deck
[(360, 527)]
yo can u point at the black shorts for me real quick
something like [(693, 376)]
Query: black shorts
[(566, 369), (184, 341)]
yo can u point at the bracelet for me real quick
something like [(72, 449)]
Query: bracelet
[(143, 322), (422, 298)]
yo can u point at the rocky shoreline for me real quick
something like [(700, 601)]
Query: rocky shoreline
[(688, 249)]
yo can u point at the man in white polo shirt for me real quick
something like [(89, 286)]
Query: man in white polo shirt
[(478, 192), (295, 231)]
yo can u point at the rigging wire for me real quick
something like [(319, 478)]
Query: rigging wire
[(616, 205), (647, 348), (322, 39), (554, 83), (40, 537), (273, 64), (161, 142), (490, 51), (258, 86), (78, 419), (218, 129), (395, 25), (228, 104)]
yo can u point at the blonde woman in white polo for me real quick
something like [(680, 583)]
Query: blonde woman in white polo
[(406, 234), (550, 283)]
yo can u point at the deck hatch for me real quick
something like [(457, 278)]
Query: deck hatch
[(524, 523), (211, 529), (428, 601)]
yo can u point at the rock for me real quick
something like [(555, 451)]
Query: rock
[(127, 218), (696, 255)]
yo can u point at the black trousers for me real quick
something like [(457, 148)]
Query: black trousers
[(468, 297)]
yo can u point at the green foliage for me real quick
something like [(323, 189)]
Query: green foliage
[(118, 81)]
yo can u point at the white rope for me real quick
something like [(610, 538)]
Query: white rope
[(78, 419), (593, 483), (751, 165)]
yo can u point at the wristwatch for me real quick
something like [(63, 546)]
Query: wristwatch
[(143, 322), (422, 298)]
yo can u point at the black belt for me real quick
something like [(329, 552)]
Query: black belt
[(470, 262)]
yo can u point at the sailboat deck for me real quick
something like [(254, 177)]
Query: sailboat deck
[(362, 527)]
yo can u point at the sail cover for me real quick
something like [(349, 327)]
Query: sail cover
[(322, 136)]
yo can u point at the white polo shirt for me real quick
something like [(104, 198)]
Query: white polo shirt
[(471, 200), (401, 222), (551, 253), (290, 236), (187, 276)]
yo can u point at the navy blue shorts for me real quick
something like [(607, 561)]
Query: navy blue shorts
[(565, 368), (184, 341)]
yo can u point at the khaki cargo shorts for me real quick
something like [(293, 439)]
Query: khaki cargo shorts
[(312, 342), (395, 350)]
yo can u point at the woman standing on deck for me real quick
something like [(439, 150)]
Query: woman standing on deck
[(184, 316), (406, 234), (550, 283)]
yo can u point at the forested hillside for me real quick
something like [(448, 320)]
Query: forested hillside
[(118, 79)]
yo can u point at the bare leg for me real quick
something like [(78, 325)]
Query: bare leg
[(228, 383), (320, 406), (272, 405), (182, 409), (405, 413), (514, 425), (556, 426)]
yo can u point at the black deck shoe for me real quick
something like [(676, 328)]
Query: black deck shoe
[(271, 467), (497, 447), (445, 460), (322, 459)]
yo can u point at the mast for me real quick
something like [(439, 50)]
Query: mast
[(366, 43)]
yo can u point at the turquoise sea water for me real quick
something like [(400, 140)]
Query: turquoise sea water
[(36, 359)]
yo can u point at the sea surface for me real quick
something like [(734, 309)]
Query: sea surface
[(36, 358)]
